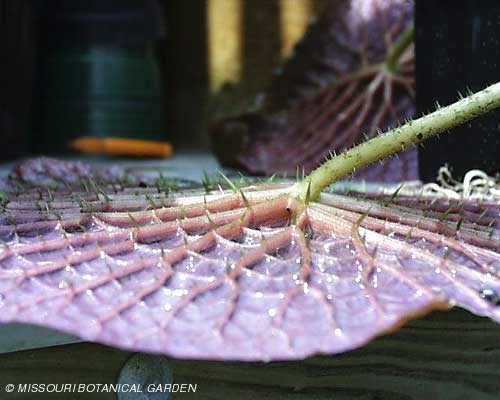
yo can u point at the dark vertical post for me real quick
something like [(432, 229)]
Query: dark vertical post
[(458, 48), (17, 35), (261, 42), (184, 65)]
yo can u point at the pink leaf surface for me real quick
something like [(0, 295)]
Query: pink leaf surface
[(222, 275)]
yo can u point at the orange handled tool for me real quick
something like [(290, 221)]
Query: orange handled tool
[(122, 147)]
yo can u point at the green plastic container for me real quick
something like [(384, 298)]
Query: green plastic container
[(100, 91)]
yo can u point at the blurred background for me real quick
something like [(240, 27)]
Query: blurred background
[(165, 70), (151, 69)]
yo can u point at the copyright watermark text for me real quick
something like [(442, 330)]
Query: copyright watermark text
[(100, 388)]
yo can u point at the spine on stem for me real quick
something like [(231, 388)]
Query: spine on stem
[(397, 139)]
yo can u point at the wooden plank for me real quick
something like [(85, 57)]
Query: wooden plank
[(447, 355)]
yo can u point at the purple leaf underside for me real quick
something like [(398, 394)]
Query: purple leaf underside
[(331, 94), (226, 276)]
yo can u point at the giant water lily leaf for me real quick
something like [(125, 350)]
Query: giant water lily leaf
[(334, 92), (245, 274)]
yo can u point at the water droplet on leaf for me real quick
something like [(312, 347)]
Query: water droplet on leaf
[(491, 296)]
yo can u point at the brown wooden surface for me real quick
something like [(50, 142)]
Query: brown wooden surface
[(452, 355)]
